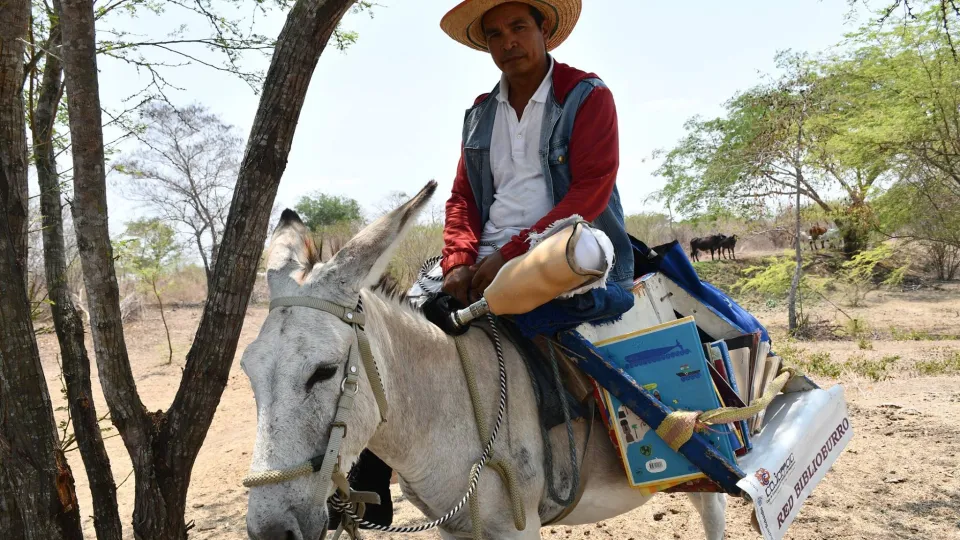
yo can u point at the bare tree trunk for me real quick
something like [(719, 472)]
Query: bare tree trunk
[(793, 322), (795, 284), (37, 496), (10, 522), (35, 469), (134, 424), (66, 318), (153, 284), (14, 21), (13, 26), (207, 267), (163, 447), (211, 225), (214, 249)]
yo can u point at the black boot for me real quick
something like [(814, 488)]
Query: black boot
[(369, 474)]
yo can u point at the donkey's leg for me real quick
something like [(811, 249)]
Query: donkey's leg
[(712, 508)]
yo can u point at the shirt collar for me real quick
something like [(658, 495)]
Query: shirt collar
[(540, 96)]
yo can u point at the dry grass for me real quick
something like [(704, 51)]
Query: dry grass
[(422, 243)]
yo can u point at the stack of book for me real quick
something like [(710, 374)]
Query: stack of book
[(686, 367)]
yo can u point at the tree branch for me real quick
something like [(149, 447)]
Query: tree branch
[(303, 38), (67, 322), (93, 238)]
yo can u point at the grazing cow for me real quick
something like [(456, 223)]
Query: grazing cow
[(833, 239), (706, 243), (815, 233), (728, 245)]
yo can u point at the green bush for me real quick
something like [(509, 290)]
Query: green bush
[(875, 370), (821, 364)]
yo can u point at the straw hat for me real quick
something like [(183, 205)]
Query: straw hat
[(462, 23)]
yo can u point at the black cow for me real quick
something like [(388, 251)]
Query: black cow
[(728, 245), (706, 243)]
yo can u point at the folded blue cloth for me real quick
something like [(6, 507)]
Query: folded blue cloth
[(597, 306)]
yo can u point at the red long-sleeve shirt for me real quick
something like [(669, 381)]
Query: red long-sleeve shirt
[(594, 158)]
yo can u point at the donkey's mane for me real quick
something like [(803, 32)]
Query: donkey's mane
[(389, 288), (391, 293)]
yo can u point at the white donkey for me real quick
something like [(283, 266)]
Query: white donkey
[(301, 364)]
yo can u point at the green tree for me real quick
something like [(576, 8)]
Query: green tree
[(759, 151), (320, 210), (752, 154), (150, 251), (925, 212), (942, 13), (904, 103), (907, 100)]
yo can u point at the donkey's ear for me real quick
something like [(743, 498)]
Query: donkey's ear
[(363, 259), (291, 256)]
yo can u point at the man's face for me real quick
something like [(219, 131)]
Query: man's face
[(516, 44)]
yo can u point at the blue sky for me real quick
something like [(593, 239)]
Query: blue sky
[(386, 115)]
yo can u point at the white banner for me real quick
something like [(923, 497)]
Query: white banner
[(803, 435)]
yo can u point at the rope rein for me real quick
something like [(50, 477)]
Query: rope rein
[(571, 439)]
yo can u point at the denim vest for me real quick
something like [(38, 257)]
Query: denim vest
[(554, 143)]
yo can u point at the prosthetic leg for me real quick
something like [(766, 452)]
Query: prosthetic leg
[(568, 259)]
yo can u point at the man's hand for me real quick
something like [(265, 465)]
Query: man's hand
[(457, 283), (485, 271)]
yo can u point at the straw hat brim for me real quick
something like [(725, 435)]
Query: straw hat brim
[(462, 23)]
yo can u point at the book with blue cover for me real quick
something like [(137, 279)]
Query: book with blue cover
[(668, 361), (728, 398), (721, 348)]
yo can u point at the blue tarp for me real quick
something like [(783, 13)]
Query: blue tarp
[(607, 305), (672, 261)]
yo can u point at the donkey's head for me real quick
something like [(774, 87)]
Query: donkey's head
[(298, 365)]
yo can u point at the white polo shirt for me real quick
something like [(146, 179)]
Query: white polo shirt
[(520, 189)]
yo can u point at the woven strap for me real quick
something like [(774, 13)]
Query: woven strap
[(347, 315), (356, 320), (678, 427), (373, 373), (278, 476)]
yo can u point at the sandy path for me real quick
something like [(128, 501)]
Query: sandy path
[(899, 478)]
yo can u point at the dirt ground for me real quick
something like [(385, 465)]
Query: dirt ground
[(898, 478)]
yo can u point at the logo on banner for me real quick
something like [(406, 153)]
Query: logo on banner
[(773, 484), (763, 476)]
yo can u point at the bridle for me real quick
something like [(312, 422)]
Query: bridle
[(328, 463)]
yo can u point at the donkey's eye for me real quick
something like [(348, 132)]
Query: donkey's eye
[(321, 374)]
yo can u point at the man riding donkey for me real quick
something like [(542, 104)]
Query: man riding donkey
[(540, 151), (541, 147)]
